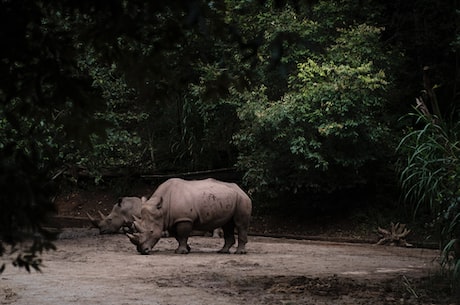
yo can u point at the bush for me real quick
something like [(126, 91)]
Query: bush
[(324, 131), (430, 179)]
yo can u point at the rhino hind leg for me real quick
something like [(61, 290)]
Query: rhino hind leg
[(229, 237), (242, 226), (242, 241)]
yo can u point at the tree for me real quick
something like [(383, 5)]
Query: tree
[(329, 125), (42, 94)]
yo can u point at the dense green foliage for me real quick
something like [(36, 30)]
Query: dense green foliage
[(302, 97), (430, 175), (429, 166), (430, 178), (328, 125)]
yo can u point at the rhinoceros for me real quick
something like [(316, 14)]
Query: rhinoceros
[(180, 206), (122, 213)]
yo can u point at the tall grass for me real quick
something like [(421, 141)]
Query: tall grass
[(430, 179)]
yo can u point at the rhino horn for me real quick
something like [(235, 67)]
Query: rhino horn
[(136, 218), (102, 215), (138, 226), (94, 221), (134, 238), (127, 221)]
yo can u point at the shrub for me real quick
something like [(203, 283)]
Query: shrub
[(430, 179), (323, 132)]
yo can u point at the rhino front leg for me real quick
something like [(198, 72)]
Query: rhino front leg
[(183, 230), (229, 237)]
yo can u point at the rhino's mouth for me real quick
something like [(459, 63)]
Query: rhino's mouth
[(143, 248), (147, 247), (144, 251)]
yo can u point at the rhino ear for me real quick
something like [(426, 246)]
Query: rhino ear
[(160, 203), (120, 200), (126, 221), (143, 199)]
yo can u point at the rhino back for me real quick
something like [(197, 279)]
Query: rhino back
[(127, 207), (208, 204), (131, 206)]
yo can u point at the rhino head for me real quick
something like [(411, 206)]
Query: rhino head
[(117, 218), (149, 227)]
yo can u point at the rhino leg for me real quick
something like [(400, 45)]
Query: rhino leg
[(182, 232), (229, 237), (242, 241), (242, 226)]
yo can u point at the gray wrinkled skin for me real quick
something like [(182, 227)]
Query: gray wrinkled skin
[(180, 206), (121, 215)]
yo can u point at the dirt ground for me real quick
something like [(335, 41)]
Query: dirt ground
[(88, 268)]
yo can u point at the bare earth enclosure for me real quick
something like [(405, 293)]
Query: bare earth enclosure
[(88, 268)]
